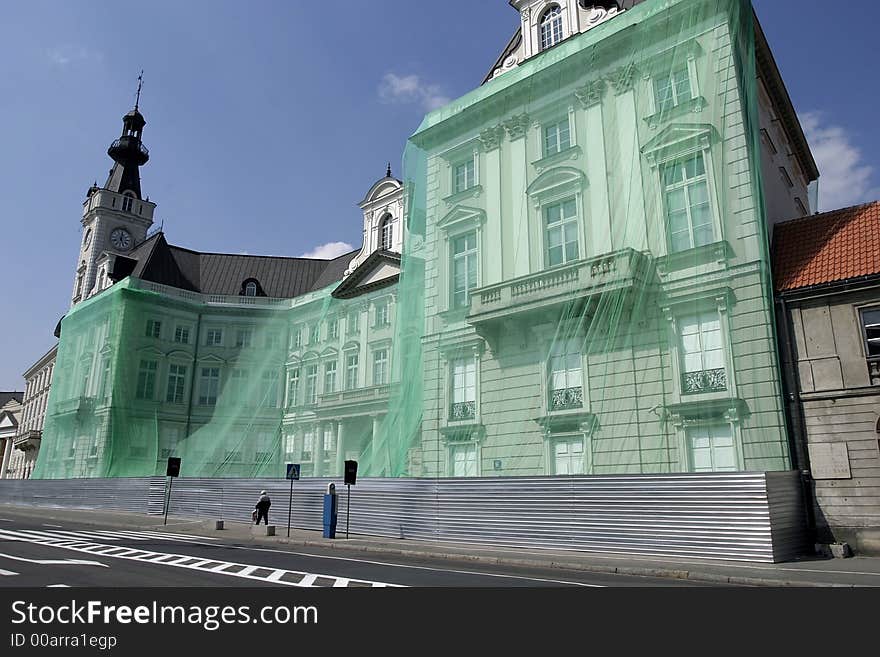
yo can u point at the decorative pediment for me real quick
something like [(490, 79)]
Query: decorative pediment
[(143, 351), (679, 139), (384, 187), (380, 269), (351, 345), (211, 358), (310, 355), (553, 179), (462, 216), (179, 354), (329, 352)]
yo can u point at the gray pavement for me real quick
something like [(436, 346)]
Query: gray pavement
[(464, 564)]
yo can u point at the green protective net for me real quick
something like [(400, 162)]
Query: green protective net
[(584, 289)]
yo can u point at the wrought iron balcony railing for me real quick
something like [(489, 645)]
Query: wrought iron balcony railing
[(704, 381), (566, 398), (463, 411)]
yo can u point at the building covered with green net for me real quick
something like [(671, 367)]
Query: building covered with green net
[(570, 277)]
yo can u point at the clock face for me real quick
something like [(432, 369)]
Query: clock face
[(88, 238), (121, 239)]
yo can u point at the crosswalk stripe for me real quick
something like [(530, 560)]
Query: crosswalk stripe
[(6, 573)]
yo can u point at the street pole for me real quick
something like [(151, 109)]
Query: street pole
[(347, 509), (168, 500), (289, 508)]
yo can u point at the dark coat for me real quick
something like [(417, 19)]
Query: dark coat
[(264, 503)]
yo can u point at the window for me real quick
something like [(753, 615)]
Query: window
[(314, 333), (146, 381), (171, 438), (272, 340), (551, 27), (785, 177), (672, 89), (562, 232), (333, 329), (352, 322), (312, 384), (265, 446), (209, 386), (568, 456), (386, 233), (702, 354), (308, 445), (154, 328), (244, 338), (330, 376), (292, 387), (463, 460), (565, 382), (464, 268), (269, 389), (557, 137), (463, 176), (297, 337), (799, 204), (381, 313), (181, 334), (127, 203), (176, 383), (380, 367), (688, 214), (871, 327), (351, 371), (214, 337), (711, 448), (464, 390), (250, 289), (237, 387), (769, 141)]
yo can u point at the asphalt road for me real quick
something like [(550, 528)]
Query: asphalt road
[(50, 552)]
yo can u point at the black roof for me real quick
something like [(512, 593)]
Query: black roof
[(5, 397), (225, 273)]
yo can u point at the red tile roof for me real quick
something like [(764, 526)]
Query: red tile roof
[(828, 247)]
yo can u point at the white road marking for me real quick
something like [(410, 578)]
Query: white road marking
[(246, 571), (58, 586), (55, 526), (6, 520), (55, 562), (6, 573)]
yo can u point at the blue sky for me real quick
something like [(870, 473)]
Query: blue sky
[(268, 121)]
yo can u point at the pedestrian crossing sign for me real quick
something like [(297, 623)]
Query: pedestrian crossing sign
[(293, 471)]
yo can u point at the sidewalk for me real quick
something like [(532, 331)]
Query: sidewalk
[(856, 571)]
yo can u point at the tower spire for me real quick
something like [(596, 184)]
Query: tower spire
[(388, 171), (140, 84)]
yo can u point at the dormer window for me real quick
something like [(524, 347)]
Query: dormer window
[(386, 233), (250, 289), (551, 27)]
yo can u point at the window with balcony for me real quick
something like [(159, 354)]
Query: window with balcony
[(561, 232), (330, 376), (702, 351), (312, 384), (292, 387), (568, 456), (565, 377), (146, 381), (712, 448), (551, 27), (351, 371), (154, 328), (176, 384), (463, 176), (688, 212), (214, 337), (557, 137), (871, 334), (380, 367), (181, 334), (463, 460), (463, 396), (209, 386), (672, 88), (464, 268)]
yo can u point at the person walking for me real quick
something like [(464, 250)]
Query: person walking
[(262, 507)]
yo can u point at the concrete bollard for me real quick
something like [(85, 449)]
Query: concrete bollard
[(218, 524), (270, 530)]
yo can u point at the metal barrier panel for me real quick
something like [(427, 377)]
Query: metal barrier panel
[(739, 516)]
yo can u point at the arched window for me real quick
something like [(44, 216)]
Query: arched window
[(250, 289), (386, 233), (551, 27)]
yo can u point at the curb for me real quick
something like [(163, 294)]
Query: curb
[(669, 573)]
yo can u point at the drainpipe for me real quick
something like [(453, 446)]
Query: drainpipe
[(795, 417), (192, 383)]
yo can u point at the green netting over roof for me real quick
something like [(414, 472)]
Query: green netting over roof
[(584, 288)]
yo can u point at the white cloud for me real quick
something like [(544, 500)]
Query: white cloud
[(845, 178), (329, 250), (411, 89), (64, 55)]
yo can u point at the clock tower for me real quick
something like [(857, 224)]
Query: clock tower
[(115, 217)]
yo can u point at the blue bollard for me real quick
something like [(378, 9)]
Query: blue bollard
[(330, 512)]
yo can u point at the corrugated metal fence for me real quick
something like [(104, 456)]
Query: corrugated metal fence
[(742, 516)]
